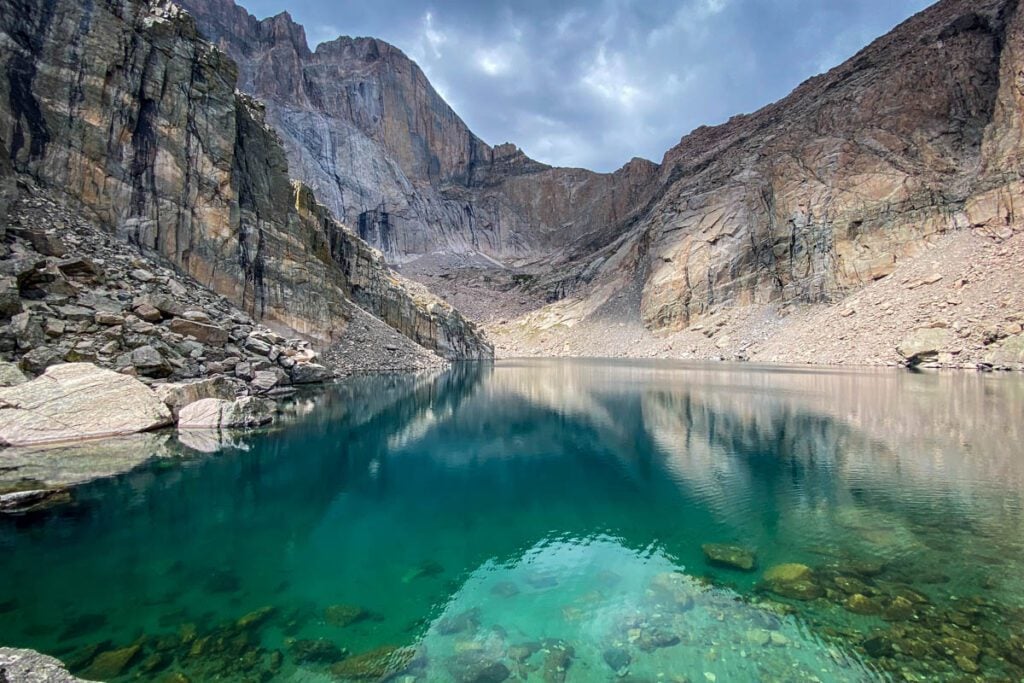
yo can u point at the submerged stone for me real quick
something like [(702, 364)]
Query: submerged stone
[(899, 609), (256, 618), (505, 589), (618, 658), (379, 663), (427, 569), (729, 556), (112, 663), (788, 573), (464, 621), (319, 651), (861, 604), (344, 615)]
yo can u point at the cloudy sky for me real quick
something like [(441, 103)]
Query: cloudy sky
[(594, 83)]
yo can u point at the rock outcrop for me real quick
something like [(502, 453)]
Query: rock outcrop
[(28, 666), (214, 413), (127, 110), (77, 401)]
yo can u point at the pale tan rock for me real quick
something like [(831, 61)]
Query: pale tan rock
[(178, 395), (213, 413), (924, 345), (78, 401)]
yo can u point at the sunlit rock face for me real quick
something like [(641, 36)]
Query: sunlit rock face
[(366, 130), (127, 110)]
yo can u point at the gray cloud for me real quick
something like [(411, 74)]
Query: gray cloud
[(594, 83)]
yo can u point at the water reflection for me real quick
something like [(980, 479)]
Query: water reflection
[(545, 520)]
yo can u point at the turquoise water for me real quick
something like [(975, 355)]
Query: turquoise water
[(545, 521)]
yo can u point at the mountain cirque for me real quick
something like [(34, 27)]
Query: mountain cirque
[(793, 209), (821, 211)]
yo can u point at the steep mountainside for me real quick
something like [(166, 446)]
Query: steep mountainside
[(125, 108), (365, 129)]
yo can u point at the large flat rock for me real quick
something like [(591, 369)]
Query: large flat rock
[(29, 666), (78, 401)]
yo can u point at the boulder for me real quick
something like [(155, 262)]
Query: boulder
[(10, 375), (208, 334), (148, 312), (265, 380), (214, 413), (149, 363), (10, 298), (309, 373), (177, 396), (38, 359), (923, 345), (1008, 353), (78, 401), (729, 556)]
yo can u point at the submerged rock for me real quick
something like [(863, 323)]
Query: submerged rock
[(788, 573), (505, 589), (315, 651), (256, 618), (375, 664), (794, 581), (618, 658), (464, 621), (729, 556), (861, 604), (344, 615), (112, 663), (78, 401)]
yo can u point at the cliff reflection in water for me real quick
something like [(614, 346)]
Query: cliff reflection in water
[(494, 507)]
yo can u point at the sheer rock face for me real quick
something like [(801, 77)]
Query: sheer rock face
[(126, 108), (365, 129)]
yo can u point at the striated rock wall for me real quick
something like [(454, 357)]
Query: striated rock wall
[(365, 129), (123, 106)]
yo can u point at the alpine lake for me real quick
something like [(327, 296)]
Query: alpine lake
[(553, 521)]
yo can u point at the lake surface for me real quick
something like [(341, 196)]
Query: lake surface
[(547, 521)]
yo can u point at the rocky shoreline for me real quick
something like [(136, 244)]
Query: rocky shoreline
[(98, 340), (29, 666)]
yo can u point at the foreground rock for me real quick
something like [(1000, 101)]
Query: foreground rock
[(29, 666), (78, 401), (213, 413)]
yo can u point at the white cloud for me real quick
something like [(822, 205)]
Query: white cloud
[(434, 37), (608, 77)]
